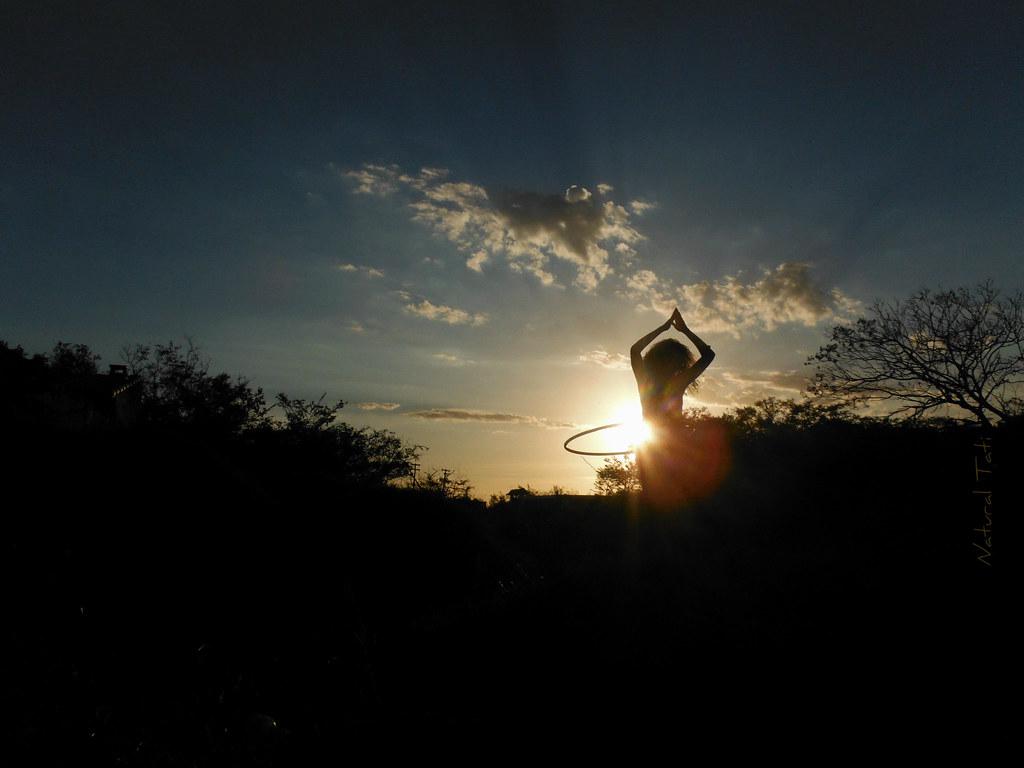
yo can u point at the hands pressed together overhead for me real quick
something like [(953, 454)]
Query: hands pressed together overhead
[(675, 321)]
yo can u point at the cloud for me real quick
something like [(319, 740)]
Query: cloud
[(449, 359), (627, 256), (614, 360), (530, 230), (786, 294), (792, 380), (533, 231), (922, 339), (371, 406), (576, 194), (368, 271), (379, 180), (651, 292), (441, 312), (477, 260), (640, 207), (736, 388), (464, 414)]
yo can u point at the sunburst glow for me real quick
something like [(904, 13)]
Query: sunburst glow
[(635, 430)]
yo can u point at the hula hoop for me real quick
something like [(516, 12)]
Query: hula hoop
[(596, 453)]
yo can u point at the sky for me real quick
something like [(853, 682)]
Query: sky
[(457, 218)]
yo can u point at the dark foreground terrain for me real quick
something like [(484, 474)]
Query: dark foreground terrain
[(169, 604)]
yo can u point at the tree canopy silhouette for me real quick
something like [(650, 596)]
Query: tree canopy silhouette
[(773, 413), (177, 395), (958, 347), (179, 390), (617, 475), (73, 361), (315, 438)]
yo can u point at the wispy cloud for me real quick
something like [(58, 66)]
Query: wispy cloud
[(464, 414), (441, 312), (368, 271), (371, 406), (477, 260), (787, 294), (791, 380), (640, 207), (379, 180), (530, 229), (449, 359), (577, 194), (613, 360), (730, 388)]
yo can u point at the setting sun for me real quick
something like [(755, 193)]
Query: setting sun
[(633, 429)]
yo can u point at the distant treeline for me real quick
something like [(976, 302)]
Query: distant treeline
[(166, 393)]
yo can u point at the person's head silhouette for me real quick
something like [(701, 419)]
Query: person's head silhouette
[(665, 359)]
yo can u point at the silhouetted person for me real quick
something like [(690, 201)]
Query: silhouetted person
[(670, 461)]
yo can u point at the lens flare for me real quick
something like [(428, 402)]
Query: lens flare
[(636, 431)]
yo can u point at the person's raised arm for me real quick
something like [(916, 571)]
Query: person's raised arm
[(635, 352), (707, 354)]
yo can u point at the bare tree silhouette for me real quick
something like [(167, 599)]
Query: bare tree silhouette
[(957, 347)]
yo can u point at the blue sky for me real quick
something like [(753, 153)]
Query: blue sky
[(465, 215)]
